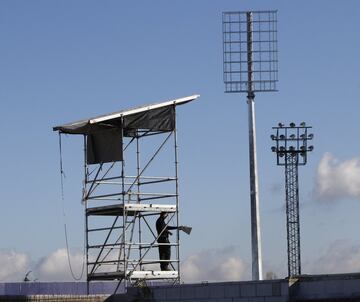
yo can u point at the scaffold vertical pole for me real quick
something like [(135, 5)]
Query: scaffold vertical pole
[(124, 216), (86, 217), (138, 193), (177, 196)]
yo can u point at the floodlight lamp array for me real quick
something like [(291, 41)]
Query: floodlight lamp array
[(292, 140), (250, 51)]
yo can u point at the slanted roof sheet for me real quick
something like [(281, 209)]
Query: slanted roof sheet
[(115, 115)]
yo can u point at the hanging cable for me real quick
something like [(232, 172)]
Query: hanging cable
[(62, 176), (68, 257)]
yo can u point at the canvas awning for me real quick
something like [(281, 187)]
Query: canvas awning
[(105, 133), (155, 117)]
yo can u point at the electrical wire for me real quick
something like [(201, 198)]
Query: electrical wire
[(62, 176)]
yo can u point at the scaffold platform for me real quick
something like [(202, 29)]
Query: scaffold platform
[(131, 209)]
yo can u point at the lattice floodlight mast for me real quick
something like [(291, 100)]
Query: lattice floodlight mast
[(291, 151), (250, 61), (130, 177)]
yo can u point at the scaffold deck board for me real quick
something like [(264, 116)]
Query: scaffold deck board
[(130, 209), (149, 275), (106, 276)]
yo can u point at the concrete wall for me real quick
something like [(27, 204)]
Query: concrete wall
[(329, 287), (263, 291), (344, 287), (52, 298), (58, 288)]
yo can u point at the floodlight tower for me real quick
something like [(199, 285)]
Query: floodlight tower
[(291, 151), (250, 65)]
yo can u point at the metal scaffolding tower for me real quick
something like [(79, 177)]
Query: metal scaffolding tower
[(130, 177), (250, 65), (291, 151)]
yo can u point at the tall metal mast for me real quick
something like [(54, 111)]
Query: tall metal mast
[(254, 193), (250, 65), (291, 151)]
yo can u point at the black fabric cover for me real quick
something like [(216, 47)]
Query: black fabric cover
[(104, 139), (161, 119), (104, 146), (78, 128), (83, 128)]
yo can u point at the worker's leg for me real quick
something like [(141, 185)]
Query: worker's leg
[(167, 254), (162, 256)]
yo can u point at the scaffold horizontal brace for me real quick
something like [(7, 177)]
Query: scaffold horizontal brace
[(148, 275), (130, 209)]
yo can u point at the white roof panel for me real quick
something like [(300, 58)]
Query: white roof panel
[(118, 114)]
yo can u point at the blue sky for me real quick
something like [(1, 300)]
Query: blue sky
[(65, 60)]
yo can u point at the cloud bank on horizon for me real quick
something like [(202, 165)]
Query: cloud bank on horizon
[(54, 267), (336, 179), (215, 265), (13, 265), (223, 264), (209, 265), (340, 257)]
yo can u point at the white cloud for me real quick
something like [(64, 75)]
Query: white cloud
[(214, 265), (13, 265), (55, 267), (210, 265), (336, 179), (340, 257)]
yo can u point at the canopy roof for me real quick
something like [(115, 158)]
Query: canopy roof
[(104, 134), (157, 117)]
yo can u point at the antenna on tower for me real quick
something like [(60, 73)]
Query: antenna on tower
[(250, 61)]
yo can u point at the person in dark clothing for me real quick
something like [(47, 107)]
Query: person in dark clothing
[(163, 233)]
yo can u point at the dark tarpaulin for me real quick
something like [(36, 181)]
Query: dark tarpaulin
[(84, 128), (161, 119), (104, 139), (104, 146), (76, 128)]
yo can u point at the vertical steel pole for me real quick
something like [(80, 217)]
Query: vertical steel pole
[(123, 244), (138, 191), (177, 197), (86, 217), (254, 194)]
